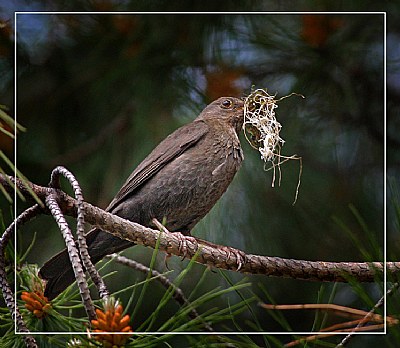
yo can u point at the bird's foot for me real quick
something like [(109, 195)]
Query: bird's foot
[(183, 239), (239, 256), (183, 246), (167, 257)]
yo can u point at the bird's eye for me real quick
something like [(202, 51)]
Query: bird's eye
[(226, 104)]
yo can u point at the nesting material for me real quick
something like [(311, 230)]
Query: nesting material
[(262, 129)]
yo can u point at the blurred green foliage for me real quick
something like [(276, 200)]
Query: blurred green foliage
[(97, 92)]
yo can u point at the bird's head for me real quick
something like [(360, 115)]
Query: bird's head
[(226, 109)]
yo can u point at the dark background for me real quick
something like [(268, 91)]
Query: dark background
[(98, 92)]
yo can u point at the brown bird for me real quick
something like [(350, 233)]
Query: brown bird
[(178, 182)]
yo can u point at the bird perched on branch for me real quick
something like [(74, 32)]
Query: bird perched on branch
[(178, 182)]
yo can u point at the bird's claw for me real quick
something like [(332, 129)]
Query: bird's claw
[(167, 257), (239, 256), (183, 247)]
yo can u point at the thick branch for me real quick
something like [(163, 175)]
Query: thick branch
[(212, 254)]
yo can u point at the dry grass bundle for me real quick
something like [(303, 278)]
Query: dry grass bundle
[(262, 129)]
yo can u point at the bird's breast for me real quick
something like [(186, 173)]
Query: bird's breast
[(187, 188)]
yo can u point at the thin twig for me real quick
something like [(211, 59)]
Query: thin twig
[(73, 255), (378, 304), (330, 307), (319, 336), (178, 294), (80, 229), (8, 295)]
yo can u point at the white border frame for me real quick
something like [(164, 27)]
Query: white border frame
[(16, 13)]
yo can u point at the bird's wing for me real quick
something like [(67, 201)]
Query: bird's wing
[(169, 149)]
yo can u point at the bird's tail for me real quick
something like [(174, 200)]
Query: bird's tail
[(58, 271)]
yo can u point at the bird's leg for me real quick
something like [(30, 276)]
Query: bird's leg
[(239, 255), (182, 239), (183, 247)]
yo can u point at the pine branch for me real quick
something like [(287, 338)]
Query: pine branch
[(212, 254), (8, 295), (73, 252), (178, 294), (80, 228)]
